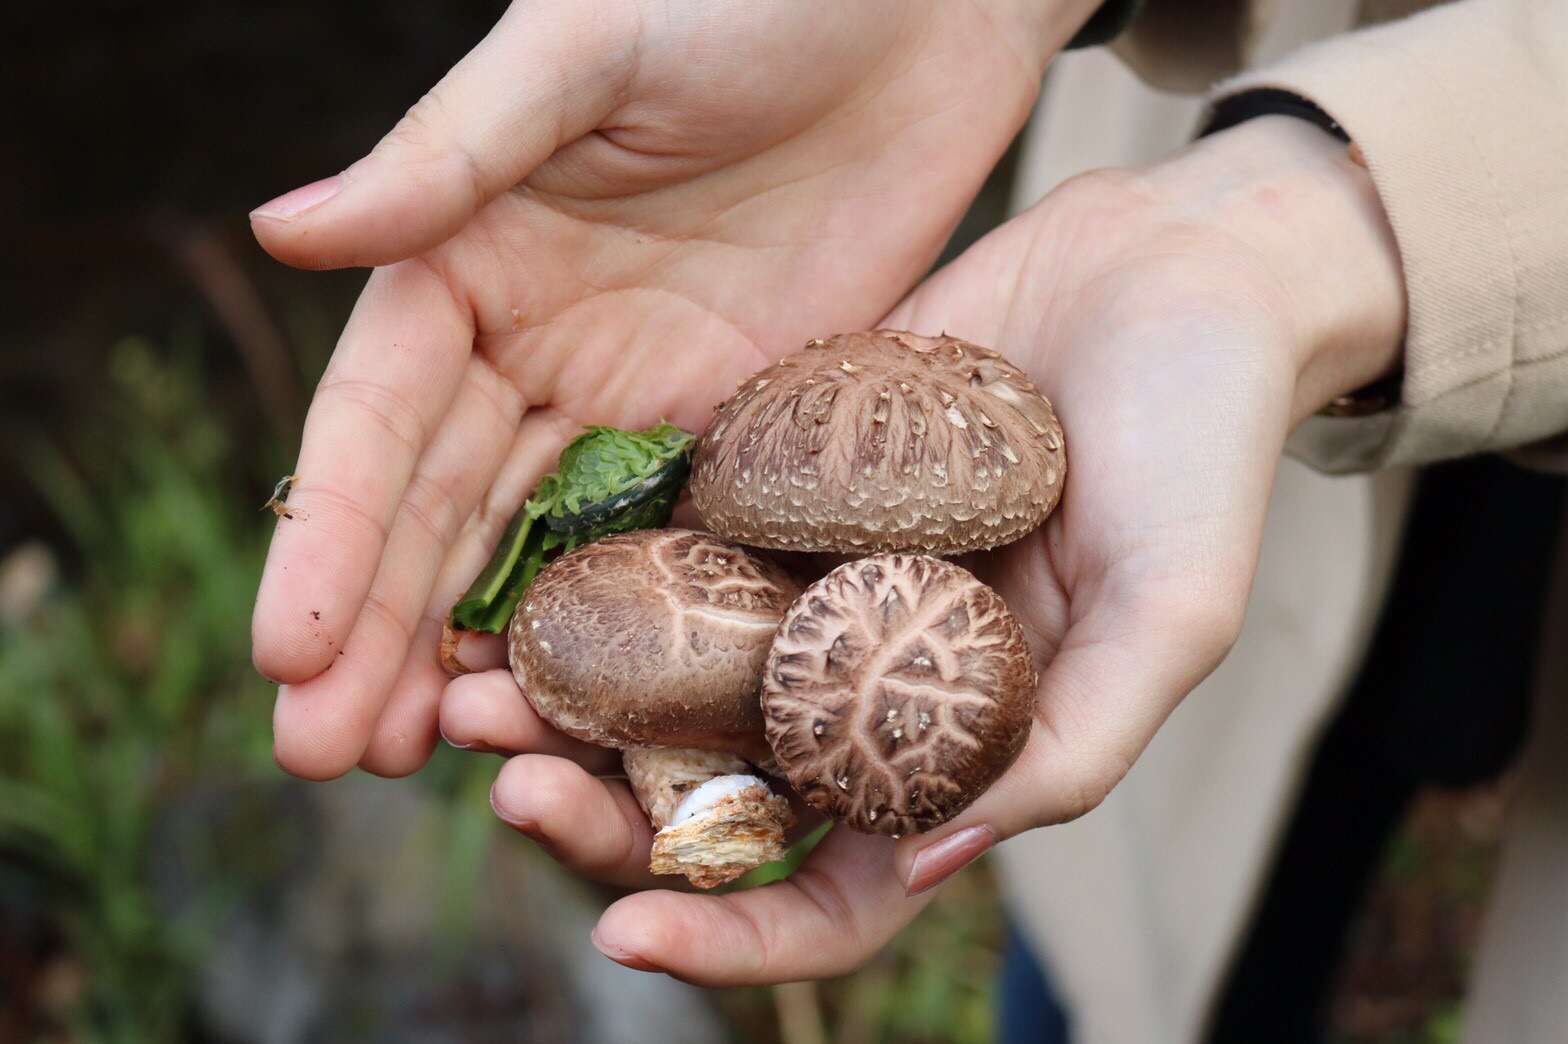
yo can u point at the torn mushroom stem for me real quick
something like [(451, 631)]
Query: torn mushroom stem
[(715, 818)]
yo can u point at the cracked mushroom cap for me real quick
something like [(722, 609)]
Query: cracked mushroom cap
[(881, 441), (898, 689), (651, 638)]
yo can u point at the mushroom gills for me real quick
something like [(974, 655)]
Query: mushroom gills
[(898, 689), (715, 818)]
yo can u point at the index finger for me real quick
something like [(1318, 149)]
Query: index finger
[(393, 375)]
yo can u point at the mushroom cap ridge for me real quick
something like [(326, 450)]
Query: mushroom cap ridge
[(898, 689), (881, 441), (651, 638)]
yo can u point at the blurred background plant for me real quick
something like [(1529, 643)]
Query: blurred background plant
[(160, 879), (126, 688)]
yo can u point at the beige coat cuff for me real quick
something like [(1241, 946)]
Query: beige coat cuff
[(1462, 114)]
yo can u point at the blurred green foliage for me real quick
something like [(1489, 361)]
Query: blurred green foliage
[(133, 684), (937, 983)]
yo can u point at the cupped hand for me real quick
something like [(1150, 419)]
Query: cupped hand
[(1181, 319), (606, 213)]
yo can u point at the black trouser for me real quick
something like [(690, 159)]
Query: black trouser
[(1443, 699)]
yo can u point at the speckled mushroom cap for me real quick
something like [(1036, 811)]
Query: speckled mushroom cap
[(651, 638), (881, 441), (898, 689)]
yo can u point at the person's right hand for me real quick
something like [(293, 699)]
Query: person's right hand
[(604, 214)]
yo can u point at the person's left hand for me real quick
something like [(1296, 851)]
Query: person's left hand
[(605, 214), (1181, 319)]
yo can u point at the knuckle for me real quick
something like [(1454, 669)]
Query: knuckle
[(628, 849), (1200, 606), (394, 621), (423, 129), (386, 407), (1087, 791), (427, 141), (348, 507), (431, 505), (824, 892), (1213, 616), (759, 943), (1115, 188)]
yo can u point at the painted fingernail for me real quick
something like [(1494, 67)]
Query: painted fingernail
[(942, 860), (291, 205), (625, 958)]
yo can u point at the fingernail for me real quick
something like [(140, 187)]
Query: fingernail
[(625, 958), (529, 828), (481, 652), (937, 863), (532, 831), (291, 205), (449, 741)]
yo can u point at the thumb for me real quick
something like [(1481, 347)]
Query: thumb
[(1119, 672), (545, 75)]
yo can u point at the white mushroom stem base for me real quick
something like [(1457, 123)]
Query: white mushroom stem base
[(715, 819)]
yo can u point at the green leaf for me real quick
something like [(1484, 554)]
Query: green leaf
[(607, 481), (768, 873)]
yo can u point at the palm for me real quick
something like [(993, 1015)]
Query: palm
[(1129, 594), (757, 183), (1175, 390)]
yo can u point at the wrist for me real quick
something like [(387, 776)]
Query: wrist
[(1316, 235)]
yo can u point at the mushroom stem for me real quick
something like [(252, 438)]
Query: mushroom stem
[(715, 818)]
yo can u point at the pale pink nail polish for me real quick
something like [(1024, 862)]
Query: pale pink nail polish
[(291, 205), (942, 860)]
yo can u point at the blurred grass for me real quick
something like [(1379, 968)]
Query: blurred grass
[(129, 686), (935, 983)]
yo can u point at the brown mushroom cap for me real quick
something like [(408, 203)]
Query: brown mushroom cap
[(881, 441), (898, 689), (655, 637)]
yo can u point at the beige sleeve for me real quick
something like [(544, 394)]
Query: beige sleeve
[(1462, 114)]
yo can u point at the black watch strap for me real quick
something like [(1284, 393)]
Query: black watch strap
[(1269, 101), (1106, 24), (1381, 394)]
